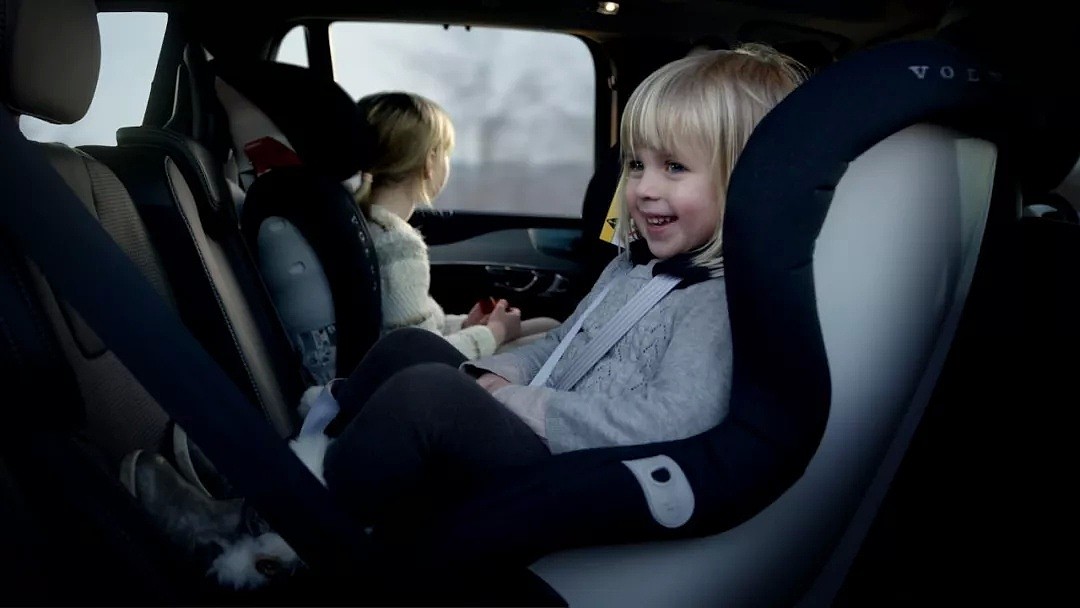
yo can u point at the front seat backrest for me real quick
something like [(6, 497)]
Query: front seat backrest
[(56, 82), (297, 138)]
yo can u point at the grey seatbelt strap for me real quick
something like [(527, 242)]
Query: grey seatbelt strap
[(541, 376), (614, 329)]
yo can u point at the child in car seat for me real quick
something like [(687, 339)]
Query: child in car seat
[(412, 167), (645, 357)]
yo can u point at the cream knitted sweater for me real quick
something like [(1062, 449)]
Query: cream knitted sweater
[(406, 281)]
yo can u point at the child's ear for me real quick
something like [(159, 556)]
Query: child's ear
[(429, 165)]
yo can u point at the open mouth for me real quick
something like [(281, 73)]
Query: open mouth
[(656, 222), (660, 220)]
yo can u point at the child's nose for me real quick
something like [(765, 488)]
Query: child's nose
[(648, 185)]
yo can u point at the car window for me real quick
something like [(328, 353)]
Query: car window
[(293, 48), (522, 103)]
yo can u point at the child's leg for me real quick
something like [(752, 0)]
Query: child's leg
[(396, 351), (538, 325), (425, 435)]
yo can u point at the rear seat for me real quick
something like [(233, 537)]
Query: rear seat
[(120, 415), (71, 482), (298, 144), (182, 196), (322, 312), (180, 190), (74, 410)]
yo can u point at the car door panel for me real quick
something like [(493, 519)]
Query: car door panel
[(535, 269)]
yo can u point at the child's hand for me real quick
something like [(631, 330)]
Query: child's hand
[(492, 382), (505, 322), (476, 316)]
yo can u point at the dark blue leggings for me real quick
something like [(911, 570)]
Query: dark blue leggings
[(415, 433)]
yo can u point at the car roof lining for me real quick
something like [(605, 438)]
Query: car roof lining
[(852, 21)]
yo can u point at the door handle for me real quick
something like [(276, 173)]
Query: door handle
[(558, 286), (518, 280)]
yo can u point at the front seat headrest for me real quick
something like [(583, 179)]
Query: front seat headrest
[(51, 54), (310, 114)]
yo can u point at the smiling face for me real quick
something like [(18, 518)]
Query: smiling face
[(672, 199), (682, 131)]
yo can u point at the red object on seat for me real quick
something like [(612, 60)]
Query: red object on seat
[(267, 153)]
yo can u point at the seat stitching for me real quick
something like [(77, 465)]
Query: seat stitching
[(217, 295)]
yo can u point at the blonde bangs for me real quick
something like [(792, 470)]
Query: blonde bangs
[(670, 111)]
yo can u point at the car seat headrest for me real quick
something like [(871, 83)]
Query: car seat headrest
[(928, 82), (285, 115), (51, 54), (785, 180)]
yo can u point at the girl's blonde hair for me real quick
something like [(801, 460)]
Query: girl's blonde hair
[(409, 129), (710, 103)]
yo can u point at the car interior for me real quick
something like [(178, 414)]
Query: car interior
[(177, 278)]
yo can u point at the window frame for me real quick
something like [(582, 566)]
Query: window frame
[(605, 85), (160, 103)]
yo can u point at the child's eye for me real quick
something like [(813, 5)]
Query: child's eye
[(635, 165), (674, 167)]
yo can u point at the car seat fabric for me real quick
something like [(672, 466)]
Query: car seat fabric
[(56, 83)]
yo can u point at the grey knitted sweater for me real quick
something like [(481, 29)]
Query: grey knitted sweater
[(667, 378)]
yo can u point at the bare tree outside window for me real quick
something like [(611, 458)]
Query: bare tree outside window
[(522, 103)]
